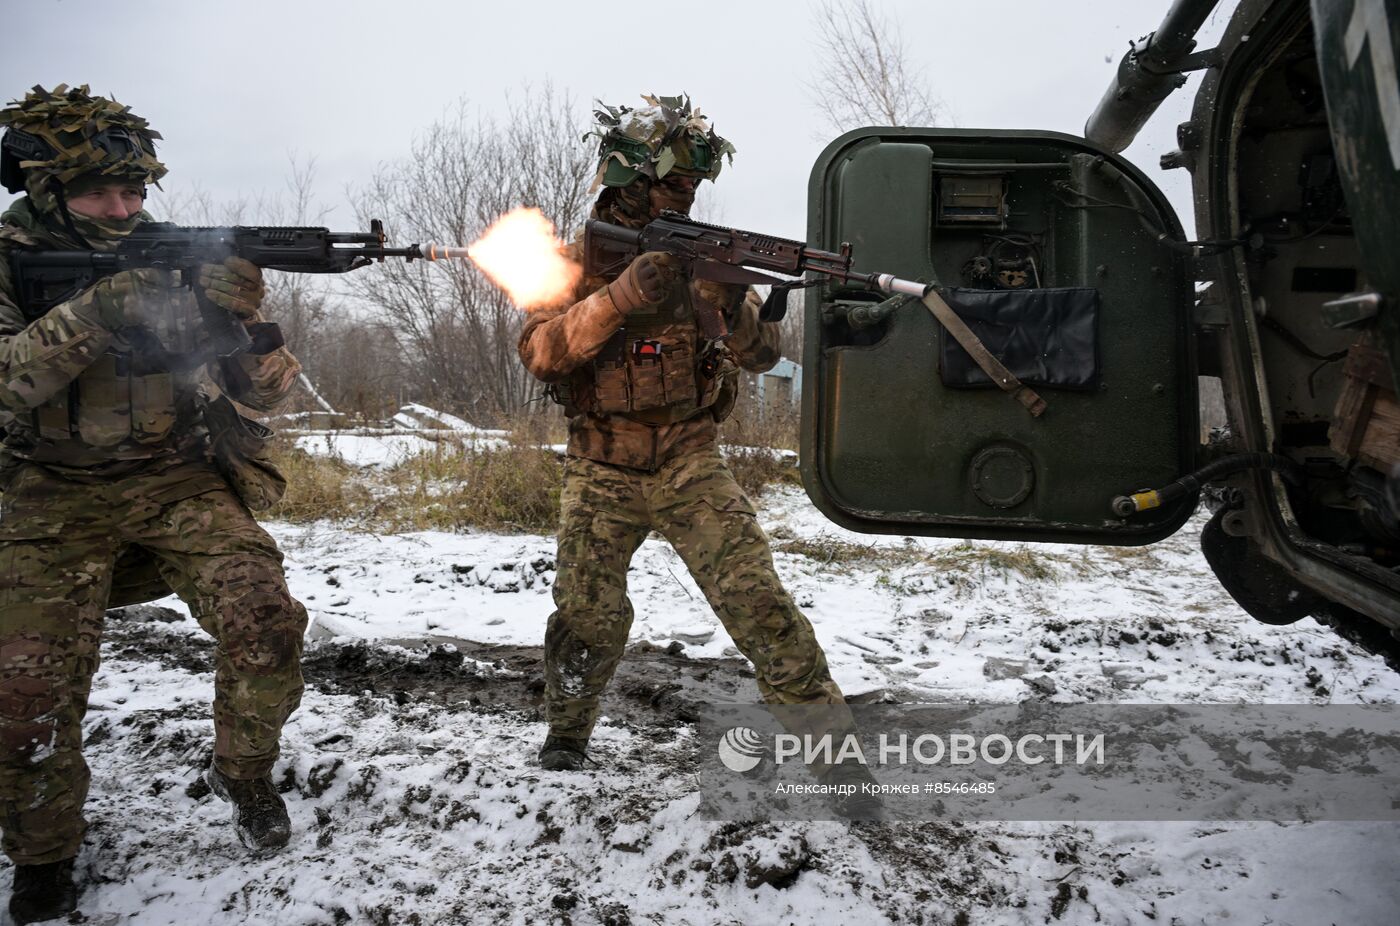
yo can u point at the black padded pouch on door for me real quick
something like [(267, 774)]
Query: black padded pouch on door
[(1046, 337)]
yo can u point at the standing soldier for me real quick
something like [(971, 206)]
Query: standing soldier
[(644, 393), (109, 474)]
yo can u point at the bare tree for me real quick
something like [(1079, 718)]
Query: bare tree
[(466, 170), (360, 367), (865, 76), (192, 205), (792, 327)]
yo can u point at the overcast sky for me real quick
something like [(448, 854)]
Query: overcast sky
[(235, 87)]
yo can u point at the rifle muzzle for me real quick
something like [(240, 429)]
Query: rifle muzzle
[(893, 284), (889, 283), (431, 251)]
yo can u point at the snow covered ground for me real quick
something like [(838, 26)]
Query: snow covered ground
[(931, 620), (414, 429), (410, 778)]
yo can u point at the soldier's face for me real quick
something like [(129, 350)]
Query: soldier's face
[(673, 192), (109, 201)]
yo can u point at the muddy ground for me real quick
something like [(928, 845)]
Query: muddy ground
[(409, 774)]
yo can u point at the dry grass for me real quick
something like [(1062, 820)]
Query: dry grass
[(760, 452), (510, 488), (452, 487), (829, 551), (318, 488), (457, 486), (1021, 561), (967, 561), (758, 468)]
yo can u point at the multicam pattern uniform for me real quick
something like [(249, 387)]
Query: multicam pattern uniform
[(105, 454), (631, 473)]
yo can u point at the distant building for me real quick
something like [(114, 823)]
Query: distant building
[(780, 389)]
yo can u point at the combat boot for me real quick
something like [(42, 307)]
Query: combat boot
[(563, 753), (43, 892), (863, 803), (259, 815)]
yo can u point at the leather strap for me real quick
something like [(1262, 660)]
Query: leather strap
[(977, 350)]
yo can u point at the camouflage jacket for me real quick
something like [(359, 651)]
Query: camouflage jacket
[(565, 345), (86, 401)]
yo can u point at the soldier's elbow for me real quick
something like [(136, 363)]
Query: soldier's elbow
[(539, 363), (547, 373)]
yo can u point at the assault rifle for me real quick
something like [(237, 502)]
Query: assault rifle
[(728, 255), (43, 279)]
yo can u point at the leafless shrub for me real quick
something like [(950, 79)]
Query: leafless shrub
[(759, 448)]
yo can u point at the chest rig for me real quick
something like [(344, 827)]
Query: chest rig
[(657, 369), (128, 401)]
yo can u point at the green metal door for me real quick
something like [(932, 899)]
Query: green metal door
[(1028, 228)]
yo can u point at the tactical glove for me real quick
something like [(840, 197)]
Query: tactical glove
[(235, 285), (645, 282), (727, 298), (124, 299)]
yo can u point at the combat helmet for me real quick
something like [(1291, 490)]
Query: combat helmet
[(64, 134), (663, 137)]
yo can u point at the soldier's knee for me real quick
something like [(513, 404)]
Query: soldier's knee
[(758, 592), (787, 657), (262, 632), (592, 601), (583, 628), (259, 625), (29, 699)]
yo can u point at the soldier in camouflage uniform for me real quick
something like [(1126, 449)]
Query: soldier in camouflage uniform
[(112, 494), (644, 393)]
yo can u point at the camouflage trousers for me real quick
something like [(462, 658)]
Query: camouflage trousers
[(59, 541), (694, 502)]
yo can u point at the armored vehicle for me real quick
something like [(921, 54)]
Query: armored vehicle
[(1069, 266)]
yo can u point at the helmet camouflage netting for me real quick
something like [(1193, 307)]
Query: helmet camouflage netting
[(665, 136), (66, 133)]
